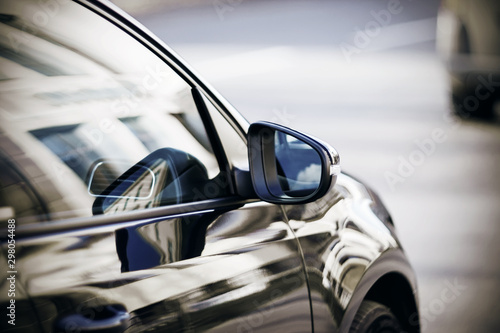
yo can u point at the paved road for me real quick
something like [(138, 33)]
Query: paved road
[(364, 77)]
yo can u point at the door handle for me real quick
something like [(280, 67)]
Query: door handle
[(108, 319)]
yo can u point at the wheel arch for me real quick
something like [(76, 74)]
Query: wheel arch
[(389, 280), (394, 291)]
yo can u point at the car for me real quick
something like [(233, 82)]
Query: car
[(135, 198), (468, 41)]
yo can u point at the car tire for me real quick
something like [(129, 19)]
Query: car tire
[(373, 317)]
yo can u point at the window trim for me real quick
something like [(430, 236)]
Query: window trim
[(137, 217), (215, 140)]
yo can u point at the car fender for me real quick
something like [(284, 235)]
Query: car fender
[(392, 261)]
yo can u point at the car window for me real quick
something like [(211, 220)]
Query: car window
[(234, 145), (17, 194), (93, 120)]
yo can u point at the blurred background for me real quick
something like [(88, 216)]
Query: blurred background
[(365, 77)]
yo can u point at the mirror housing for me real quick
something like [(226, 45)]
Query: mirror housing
[(289, 167)]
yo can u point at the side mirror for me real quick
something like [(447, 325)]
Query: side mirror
[(289, 167)]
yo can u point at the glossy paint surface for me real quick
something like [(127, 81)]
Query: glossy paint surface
[(234, 270), (215, 271), (340, 237)]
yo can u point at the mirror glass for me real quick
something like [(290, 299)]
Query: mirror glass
[(298, 165)]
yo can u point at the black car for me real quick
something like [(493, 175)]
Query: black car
[(134, 198)]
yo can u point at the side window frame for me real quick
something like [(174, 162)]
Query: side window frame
[(125, 22), (215, 140), (199, 88)]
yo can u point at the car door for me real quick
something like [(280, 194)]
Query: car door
[(149, 274), (135, 224)]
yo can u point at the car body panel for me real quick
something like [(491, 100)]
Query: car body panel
[(343, 241), (175, 273)]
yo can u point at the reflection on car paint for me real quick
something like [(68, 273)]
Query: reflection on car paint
[(163, 266)]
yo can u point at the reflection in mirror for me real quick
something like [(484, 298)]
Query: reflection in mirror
[(298, 165), (165, 177), (137, 188), (105, 172)]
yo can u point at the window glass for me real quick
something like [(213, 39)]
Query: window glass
[(92, 118), (234, 145), (16, 194)]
